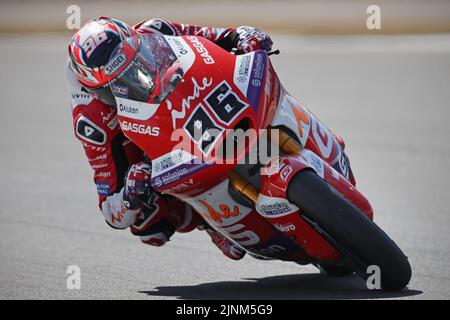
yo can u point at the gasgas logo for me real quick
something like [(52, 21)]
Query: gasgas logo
[(201, 49), (139, 128)]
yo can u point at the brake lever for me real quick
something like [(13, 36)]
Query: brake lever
[(275, 52)]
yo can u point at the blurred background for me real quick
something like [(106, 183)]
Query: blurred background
[(299, 17), (386, 91)]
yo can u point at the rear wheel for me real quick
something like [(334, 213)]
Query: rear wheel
[(355, 236)]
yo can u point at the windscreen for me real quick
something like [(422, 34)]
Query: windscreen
[(151, 75)]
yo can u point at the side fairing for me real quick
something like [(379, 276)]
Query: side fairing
[(311, 132), (243, 225)]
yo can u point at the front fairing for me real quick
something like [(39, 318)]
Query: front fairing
[(183, 134)]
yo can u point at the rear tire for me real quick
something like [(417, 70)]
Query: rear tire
[(351, 230)]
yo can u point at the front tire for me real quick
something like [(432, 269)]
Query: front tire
[(353, 234)]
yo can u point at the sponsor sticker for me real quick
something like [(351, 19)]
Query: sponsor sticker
[(113, 123), (286, 172), (81, 98), (271, 207), (207, 59), (115, 64), (241, 77), (103, 188), (135, 109), (218, 207), (170, 161), (120, 91), (99, 166), (89, 131), (183, 51), (102, 175), (139, 128), (285, 227), (223, 211), (314, 161), (99, 157), (273, 167), (170, 177)]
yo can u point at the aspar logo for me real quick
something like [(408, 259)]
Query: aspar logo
[(139, 128), (201, 49), (114, 65)]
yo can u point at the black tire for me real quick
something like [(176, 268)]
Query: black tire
[(357, 237)]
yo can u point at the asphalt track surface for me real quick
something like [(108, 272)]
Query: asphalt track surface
[(387, 96)]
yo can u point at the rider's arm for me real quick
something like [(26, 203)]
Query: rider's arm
[(110, 154), (108, 151), (221, 36), (244, 38)]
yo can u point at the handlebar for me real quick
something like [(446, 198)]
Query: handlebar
[(274, 52)]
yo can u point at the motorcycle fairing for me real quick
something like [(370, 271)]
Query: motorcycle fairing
[(312, 133), (182, 164)]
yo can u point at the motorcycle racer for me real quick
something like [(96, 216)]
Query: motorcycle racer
[(121, 171)]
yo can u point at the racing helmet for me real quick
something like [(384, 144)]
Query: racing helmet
[(90, 50)]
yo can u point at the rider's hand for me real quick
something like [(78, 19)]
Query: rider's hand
[(251, 39), (137, 189)]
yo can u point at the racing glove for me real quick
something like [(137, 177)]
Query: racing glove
[(137, 189), (121, 209), (250, 39)]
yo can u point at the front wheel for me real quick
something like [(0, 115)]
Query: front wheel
[(354, 235)]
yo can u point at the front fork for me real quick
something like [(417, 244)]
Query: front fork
[(271, 200)]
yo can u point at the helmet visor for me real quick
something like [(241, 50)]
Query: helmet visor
[(151, 75)]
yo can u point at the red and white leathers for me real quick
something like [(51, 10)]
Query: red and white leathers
[(110, 153)]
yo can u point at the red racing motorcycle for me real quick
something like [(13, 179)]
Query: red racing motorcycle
[(225, 137)]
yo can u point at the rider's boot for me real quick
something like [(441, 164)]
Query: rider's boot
[(227, 247)]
